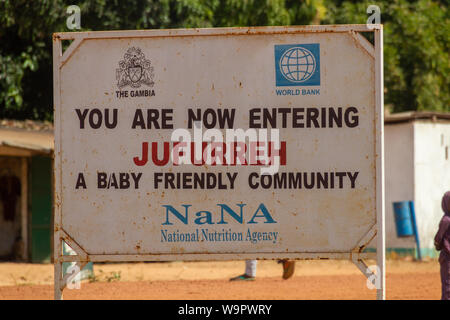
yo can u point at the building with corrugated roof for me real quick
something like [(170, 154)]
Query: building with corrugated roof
[(26, 152), (417, 168)]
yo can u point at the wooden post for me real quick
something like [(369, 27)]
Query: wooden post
[(24, 207)]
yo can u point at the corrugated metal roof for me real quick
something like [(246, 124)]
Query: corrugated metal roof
[(29, 125), (416, 115), (27, 135)]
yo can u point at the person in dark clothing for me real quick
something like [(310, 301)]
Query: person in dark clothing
[(442, 243), (9, 194)]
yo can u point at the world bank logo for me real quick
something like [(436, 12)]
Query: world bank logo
[(297, 64)]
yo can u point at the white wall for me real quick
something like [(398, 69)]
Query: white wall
[(416, 169), (399, 176), (432, 175)]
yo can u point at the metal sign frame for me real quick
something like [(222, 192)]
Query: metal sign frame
[(357, 255)]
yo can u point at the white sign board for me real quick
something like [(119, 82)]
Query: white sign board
[(148, 161)]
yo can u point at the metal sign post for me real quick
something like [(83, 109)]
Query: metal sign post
[(218, 144)]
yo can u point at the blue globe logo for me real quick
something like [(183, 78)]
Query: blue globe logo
[(297, 64)]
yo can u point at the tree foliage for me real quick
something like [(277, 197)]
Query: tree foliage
[(416, 40), (416, 50)]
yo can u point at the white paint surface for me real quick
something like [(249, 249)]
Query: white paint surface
[(416, 169), (220, 72), (432, 176)]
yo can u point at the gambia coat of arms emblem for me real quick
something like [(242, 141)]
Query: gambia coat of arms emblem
[(134, 70)]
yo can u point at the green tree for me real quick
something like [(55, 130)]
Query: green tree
[(416, 40), (416, 50), (25, 58), (26, 28)]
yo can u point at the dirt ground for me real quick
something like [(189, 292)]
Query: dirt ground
[(326, 279)]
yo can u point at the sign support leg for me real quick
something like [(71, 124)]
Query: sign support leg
[(379, 101), (381, 263), (58, 289), (57, 260)]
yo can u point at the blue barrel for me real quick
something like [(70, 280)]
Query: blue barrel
[(403, 221)]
